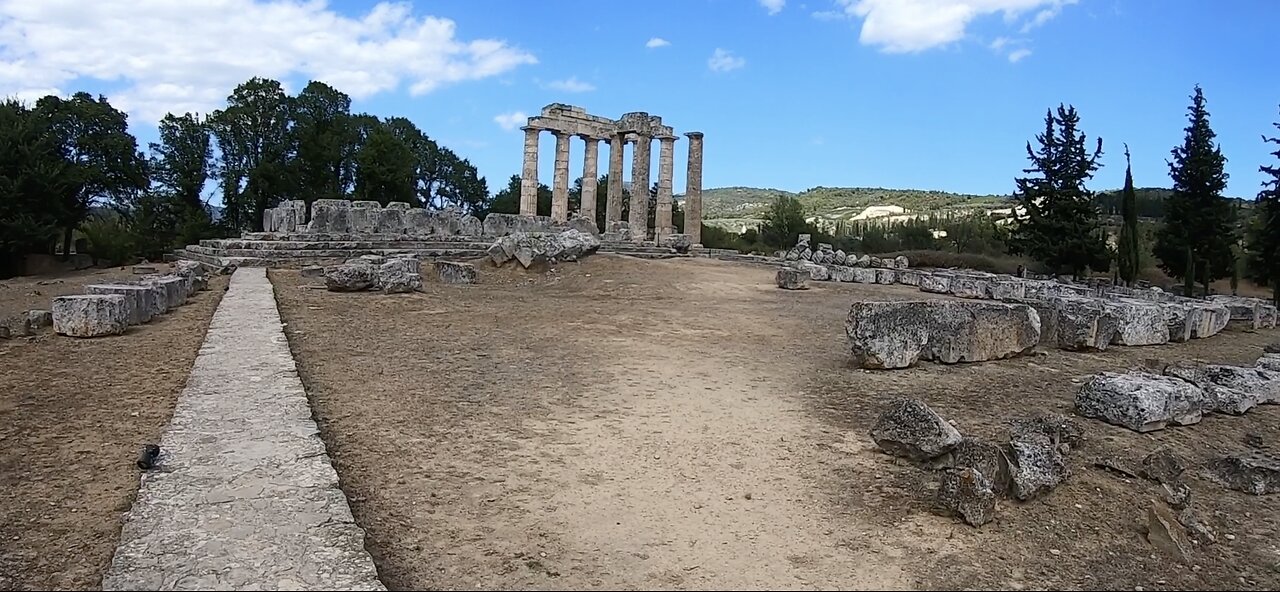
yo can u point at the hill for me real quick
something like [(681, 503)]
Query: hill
[(737, 208)]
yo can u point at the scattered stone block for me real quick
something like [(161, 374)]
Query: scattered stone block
[(1001, 289), (935, 283), (37, 318), (839, 257), (966, 493), (1036, 465), (139, 301), (1165, 532), (864, 275), (908, 277), (1140, 322), (985, 457), (1063, 432), (840, 273), (964, 286), (901, 262), (1162, 466), (1076, 324), (1255, 474), (350, 277), (680, 242), (1230, 389), (1140, 401), (1269, 362), (90, 315), (176, 289), (860, 260), (456, 273), (816, 272), (909, 428), (886, 276), (313, 271), (898, 334), (144, 269), (790, 278), (502, 250)]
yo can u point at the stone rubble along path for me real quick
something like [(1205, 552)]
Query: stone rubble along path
[(245, 496)]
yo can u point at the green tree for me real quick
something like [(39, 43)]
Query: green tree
[(181, 161), (783, 223), (1060, 225), (1264, 243), (102, 157), (32, 174), (256, 146), (507, 200), (326, 140), (1198, 224), (386, 168), (1129, 255)]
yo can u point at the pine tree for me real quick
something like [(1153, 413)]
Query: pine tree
[(1199, 225), (1059, 223), (1265, 243), (1129, 254)]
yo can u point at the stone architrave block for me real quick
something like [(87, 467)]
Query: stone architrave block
[(93, 315)]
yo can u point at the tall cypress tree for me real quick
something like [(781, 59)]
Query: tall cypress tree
[(1129, 257), (1199, 225), (1059, 223), (1265, 242)]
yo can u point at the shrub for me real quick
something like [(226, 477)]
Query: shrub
[(110, 239), (944, 259)]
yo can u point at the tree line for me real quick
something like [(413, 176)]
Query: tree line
[(63, 159), (1060, 224)]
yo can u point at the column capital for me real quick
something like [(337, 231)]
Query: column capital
[(667, 138), (528, 128), (589, 138), (692, 135), (560, 133)]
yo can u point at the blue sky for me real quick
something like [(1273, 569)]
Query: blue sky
[(925, 94)]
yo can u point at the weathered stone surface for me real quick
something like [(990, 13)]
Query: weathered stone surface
[(839, 257), (897, 334), (1164, 532), (138, 300), (909, 277), (1255, 473), (860, 260), (1230, 389), (312, 271), (806, 254), (985, 457), (571, 245), (175, 289), (1175, 315), (350, 277), (864, 275), (1000, 289), (1272, 348), (530, 251), (1140, 401), (1139, 322), (90, 315), (935, 283), (816, 272), (1063, 432), (37, 318), (966, 493), (389, 220), (901, 262), (496, 225), (841, 273), (886, 276), (1074, 323), (966, 286), (790, 278), (188, 268), (451, 272), (144, 269), (1162, 466), (399, 276), (1269, 362), (818, 257), (909, 428), (369, 260), (472, 226), (1036, 465), (330, 215)]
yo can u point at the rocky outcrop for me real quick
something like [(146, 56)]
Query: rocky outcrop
[(909, 428), (90, 315), (898, 334), (1140, 401)]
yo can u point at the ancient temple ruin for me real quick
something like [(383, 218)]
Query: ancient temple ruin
[(638, 129)]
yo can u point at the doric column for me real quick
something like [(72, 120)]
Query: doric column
[(639, 215), (590, 177), (560, 191), (693, 189), (529, 175), (613, 207), (662, 217)]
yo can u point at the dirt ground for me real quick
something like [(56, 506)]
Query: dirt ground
[(74, 414), (684, 424), (20, 294)]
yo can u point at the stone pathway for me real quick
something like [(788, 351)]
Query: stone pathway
[(245, 498)]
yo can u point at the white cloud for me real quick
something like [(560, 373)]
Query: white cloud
[(773, 6), (571, 85), (723, 60), (999, 43), (510, 121), (1045, 15), (829, 15), (906, 26), (1016, 55), (187, 56), (657, 42)]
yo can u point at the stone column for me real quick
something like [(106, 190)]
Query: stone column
[(590, 177), (639, 218), (613, 207), (662, 226), (693, 189), (529, 175), (560, 190)]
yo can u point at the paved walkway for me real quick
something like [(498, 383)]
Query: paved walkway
[(246, 498)]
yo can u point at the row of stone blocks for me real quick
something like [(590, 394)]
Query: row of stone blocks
[(345, 217), (109, 309)]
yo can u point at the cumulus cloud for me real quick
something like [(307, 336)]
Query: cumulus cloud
[(906, 26), (773, 6), (723, 60), (187, 56), (1016, 55), (571, 85), (510, 121), (999, 43), (656, 42)]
